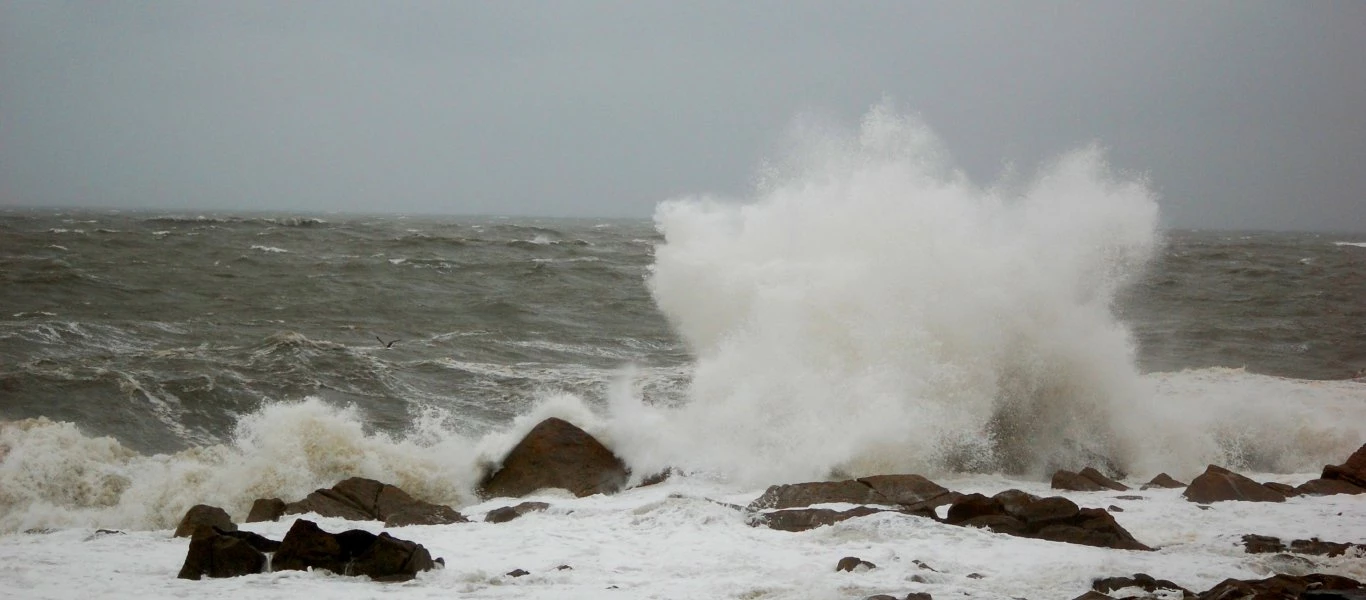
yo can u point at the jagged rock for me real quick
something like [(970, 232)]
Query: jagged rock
[(217, 553), (1280, 587), (1140, 580), (1353, 471), (1088, 480), (1265, 544), (381, 557), (508, 513), (802, 519), (556, 454), (1218, 484), (1055, 518), (1327, 487), (853, 563), (911, 492), (203, 514), (1163, 480), (360, 499), (266, 509)]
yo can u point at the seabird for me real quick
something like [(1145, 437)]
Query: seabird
[(386, 344)]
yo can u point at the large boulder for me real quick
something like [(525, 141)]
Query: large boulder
[(1057, 519), (381, 557), (360, 499), (218, 553), (1353, 471), (1163, 480), (266, 509), (556, 454), (909, 492), (1280, 587), (1142, 581), (203, 514), (1088, 480), (1328, 487), (1218, 484)]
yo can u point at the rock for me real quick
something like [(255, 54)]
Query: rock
[(1057, 519), (1327, 487), (1279, 587), (360, 499), (266, 509), (1094, 595), (517, 573), (1265, 544), (508, 513), (802, 519), (1140, 580), (880, 597), (1286, 490), (911, 492), (556, 454), (203, 514), (381, 557), (1088, 480), (1163, 480), (1262, 544), (215, 553), (1353, 471), (1114, 509), (854, 563), (1218, 484), (919, 596), (656, 478)]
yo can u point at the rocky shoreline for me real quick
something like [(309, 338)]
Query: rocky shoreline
[(556, 454)]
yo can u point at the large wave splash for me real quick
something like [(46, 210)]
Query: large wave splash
[(871, 310)]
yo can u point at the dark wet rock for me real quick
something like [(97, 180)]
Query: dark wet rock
[(381, 557), (881, 597), (556, 454), (1218, 484), (1094, 595), (203, 514), (266, 509), (214, 553), (360, 499), (1114, 509), (911, 492), (922, 565), (976, 576), (1265, 544), (564, 568), (919, 596), (1128, 497), (802, 519), (518, 573), (1139, 580), (1057, 519), (1286, 490), (508, 513), (852, 563), (1353, 471), (1281, 587), (1328, 487), (656, 478), (1163, 480), (1088, 480)]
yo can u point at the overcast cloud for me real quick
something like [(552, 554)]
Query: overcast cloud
[(1243, 114)]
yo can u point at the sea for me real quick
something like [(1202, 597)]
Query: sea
[(864, 310)]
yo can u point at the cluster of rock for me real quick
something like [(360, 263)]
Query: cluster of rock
[(1279, 587), (216, 552), (360, 499), (1265, 544)]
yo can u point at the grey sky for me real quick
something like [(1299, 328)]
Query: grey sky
[(1244, 114)]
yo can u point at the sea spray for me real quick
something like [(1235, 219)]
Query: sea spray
[(872, 310)]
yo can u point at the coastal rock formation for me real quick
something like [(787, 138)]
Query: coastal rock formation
[(1265, 544), (1057, 519), (203, 514), (1142, 581), (556, 454), (1282, 587), (1088, 480), (853, 563), (266, 509), (910, 492), (1218, 484), (1353, 471), (360, 499), (381, 557), (508, 513), (802, 519), (1328, 487), (1163, 480), (215, 552)]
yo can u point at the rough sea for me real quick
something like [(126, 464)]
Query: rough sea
[(861, 313)]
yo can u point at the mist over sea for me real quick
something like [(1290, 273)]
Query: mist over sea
[(867, 311)]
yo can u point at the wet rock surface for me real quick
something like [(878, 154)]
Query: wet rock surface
[(1055, 518), (557, 454), (201, 515), (1218, 484), (360, 499)]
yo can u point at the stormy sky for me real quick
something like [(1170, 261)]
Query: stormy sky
[(1244, 115)]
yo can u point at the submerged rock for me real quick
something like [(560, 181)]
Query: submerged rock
[(1281, 587), (1265, 544), (1327, 487), (853, 563), (203, 514), (556, 454), (802, 519), (508, 513), (1218, 484), (910, 492), (360, 499), (381, 557), (1139, 580)]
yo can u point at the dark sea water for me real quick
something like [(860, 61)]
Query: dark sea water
[(162, 329)]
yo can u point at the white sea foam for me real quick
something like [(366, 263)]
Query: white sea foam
[(1357, 244), (271, 249)]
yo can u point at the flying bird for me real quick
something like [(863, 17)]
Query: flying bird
[(386, 344)]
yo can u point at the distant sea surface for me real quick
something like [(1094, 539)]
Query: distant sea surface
[(162, 330)]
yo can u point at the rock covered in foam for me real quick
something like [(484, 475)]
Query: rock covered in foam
[(1284, 587), (1218, 484), (557, 454), (203, 514), (360, 499), (910, 492), (1054, 518), (1143, 581), (802, 519), (508, 513), (1088, 480), (1265, 544)]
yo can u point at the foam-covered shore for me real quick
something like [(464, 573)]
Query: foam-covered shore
[(672, 541)]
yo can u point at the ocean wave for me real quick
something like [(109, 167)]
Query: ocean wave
[(270, 249), (1356, 244)]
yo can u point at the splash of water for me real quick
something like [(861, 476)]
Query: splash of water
[(870, 309)]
